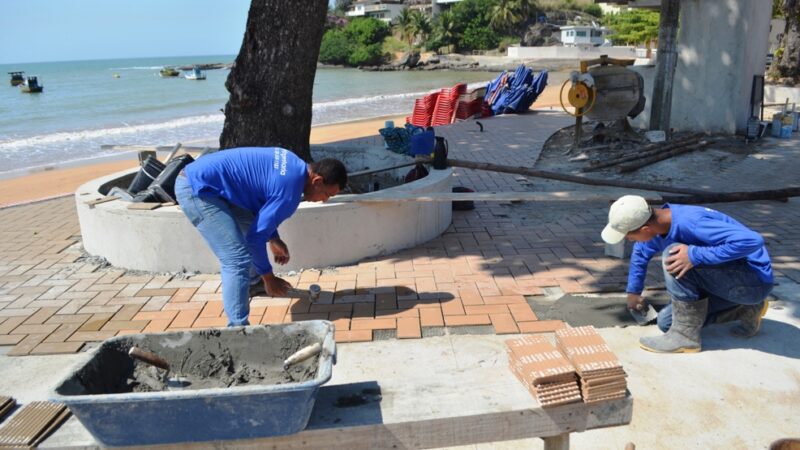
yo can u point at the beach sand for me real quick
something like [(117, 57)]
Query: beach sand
[(59, 182)]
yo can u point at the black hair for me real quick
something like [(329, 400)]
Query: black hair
[(331, 170)]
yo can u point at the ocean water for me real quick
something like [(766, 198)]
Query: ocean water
[(84, 106)]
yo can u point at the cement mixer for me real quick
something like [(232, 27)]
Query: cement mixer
[(603, 90)]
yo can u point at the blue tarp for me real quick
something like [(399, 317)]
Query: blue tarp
[(515, 93)]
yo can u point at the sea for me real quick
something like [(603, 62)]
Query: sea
[(86, 104)]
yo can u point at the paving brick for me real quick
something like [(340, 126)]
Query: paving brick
[(157, 326), (211, 310), (91, 336), (48, 348), (452, 307), (69, 318), (522, 313), (25, 346), (156, 292), (504, 300), (431, 317), (64, 331), (396, 313), (183, 295), (11, 339), (386, 301), (10, 323), (96, 322), (127, 312), (373, 324), (155, 315), (470, 297), (486, 309), (363, 310), (342, 336), (503, 323), (210, 322), (298, 317), (185, 318), (117, 325), (275, 314), (408, 328), (35, 329)]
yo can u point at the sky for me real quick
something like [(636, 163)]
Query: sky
[(73, 30)]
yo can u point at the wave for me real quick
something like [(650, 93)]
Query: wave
[(138, 68), (82, 135)]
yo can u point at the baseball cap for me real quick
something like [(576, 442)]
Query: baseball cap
[(626, 214)]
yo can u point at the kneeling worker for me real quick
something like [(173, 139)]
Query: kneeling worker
[(715, 269), (237, 198)]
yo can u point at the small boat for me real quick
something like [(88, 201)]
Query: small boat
[(167, 72), (196, 74), (16, 78), (31, 85)]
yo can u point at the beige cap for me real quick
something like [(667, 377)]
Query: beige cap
[(626, 214)]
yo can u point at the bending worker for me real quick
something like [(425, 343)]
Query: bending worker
[(236, 198), (715, 269)]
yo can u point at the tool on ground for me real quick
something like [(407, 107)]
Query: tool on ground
[(302, 355), (313, 292), (643, 314), (174, 382)]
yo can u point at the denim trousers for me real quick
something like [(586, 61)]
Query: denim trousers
[(726, 285), (223, 226)]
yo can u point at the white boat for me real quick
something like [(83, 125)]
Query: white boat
[(196, 74)]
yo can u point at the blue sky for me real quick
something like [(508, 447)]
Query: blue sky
[(68, 30)]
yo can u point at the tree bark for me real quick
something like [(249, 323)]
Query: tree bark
[(272, 79), (667, 59), (788, 65)]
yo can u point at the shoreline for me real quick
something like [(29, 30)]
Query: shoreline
[(43, 183)]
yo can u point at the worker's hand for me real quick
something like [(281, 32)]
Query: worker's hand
[(279, 251), (275, 286), (678, 262), (635, 301)]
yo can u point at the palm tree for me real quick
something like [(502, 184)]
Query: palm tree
[(420, 25), (447, 28), (404, 26), (505, 14)]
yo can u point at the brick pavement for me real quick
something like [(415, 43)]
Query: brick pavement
[(474, 278)]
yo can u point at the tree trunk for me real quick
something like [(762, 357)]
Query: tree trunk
[(272, 79), (788, 65)]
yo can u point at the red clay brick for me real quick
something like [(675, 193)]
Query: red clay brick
[(210, 322), (503, 323), (353, 336), (211, 310), (504, 300), (522, 313), (396, 313), (456, 321), (96, 322), (11, 323), (156, 315), (156, 292), (470, 297), (63, 332), (48, 348), (386, 301), (185, 318), (41, 316), (540, 326), (127, 312), (452, 307), (486, 309), (373, 324), (11, 339), (183, 295), (87, 336), (25, 346), (117, 325), (275, 314), (408, 328), (157, 325), (363, 310), (431, 317), (292, 317)]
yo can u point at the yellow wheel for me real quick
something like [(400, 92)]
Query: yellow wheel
[(580, 96)]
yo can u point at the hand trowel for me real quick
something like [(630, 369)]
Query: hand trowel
[(643, 314), (174, 382)]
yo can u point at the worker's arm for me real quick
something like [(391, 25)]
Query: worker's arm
[(642, 253), (726, 241), (263, 228)]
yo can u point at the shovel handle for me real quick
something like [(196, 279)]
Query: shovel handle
[(148, 357)]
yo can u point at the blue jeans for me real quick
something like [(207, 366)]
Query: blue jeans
[(223, 226), (726, 285)]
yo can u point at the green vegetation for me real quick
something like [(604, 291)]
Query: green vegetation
[(358, 43), (633, 26)]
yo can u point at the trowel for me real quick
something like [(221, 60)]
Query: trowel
[(643, 314), (174, 382)]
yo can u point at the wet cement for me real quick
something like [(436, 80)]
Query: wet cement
[(601, 311), (202, 360)]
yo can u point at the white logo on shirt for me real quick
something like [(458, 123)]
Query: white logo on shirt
[(279, 160)]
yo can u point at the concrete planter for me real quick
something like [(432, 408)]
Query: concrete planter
[(318, 235)]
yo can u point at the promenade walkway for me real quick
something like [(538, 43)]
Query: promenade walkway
[(473, 279)]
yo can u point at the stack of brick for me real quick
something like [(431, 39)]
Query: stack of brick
[(543, 370), (601, 374)]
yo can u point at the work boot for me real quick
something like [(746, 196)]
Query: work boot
[(749, 317), (684, 334)]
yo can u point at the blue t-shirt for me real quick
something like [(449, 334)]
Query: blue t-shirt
[(712, 237), (268, 181)]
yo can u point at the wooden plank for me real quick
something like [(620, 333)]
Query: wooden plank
[(95, 202), (368, 427), (144, 206), (561, 196)]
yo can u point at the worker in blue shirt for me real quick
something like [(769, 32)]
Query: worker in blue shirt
[(236, 199), (715, 269)]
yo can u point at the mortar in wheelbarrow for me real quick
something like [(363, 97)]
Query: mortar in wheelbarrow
[(237, 385)]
